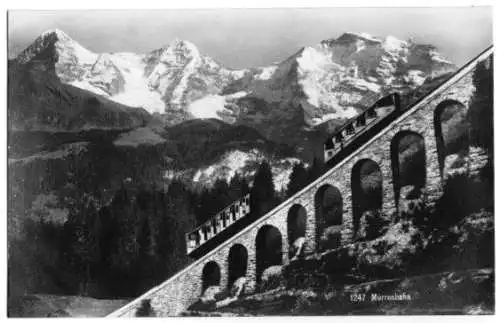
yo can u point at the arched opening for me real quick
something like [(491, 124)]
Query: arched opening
[(268, 248), (237, 260), (211, 275), (366, 188), (408, 161), (452, 135), (296, 226), (329, 211)]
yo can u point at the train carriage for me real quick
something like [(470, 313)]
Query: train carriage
[(354, 132)]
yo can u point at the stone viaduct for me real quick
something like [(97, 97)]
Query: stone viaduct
[(248, 252)]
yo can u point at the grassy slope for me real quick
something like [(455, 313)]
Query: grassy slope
[(42, 305)]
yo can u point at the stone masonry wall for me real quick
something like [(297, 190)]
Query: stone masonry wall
[(182, 290)]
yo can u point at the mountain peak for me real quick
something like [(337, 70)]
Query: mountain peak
[(353, 36), (176, 49), (58, 33), (180, 42), (177, 52), (348, 38), (183, 45), (57, 42)]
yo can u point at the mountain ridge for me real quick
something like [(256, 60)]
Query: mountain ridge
[(151, 77), (297, 101), (326, 80)]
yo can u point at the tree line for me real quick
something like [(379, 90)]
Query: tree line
[(136, 241)]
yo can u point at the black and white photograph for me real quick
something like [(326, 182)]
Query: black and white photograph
[(236, 162)]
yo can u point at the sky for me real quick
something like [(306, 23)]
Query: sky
[(243, 38)]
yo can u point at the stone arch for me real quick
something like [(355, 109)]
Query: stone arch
[(237, 263), (296, 226), (452, 132), (328, 206), (211, 275), (366, 188), (268, 243), (408, 163)]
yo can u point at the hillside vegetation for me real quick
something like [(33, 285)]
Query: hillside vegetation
[(103, 212)]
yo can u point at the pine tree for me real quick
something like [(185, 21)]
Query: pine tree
[(235, 187), (178, 220), (177, 188), (144, 240), (84, 244), (108, 234), (220, 187), (245, 188), (262, 193), (298, 179), (238, 187), (218, 197), (315, 170), (204, 207), (126, 211)]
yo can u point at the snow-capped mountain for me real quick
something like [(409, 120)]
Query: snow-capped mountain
[(329, 81), (168, 78), (39, 100), (332, 79)]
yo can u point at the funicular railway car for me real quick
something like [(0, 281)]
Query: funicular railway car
[(361, 128), (217, 224)]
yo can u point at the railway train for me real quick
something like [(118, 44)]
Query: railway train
[(361, 128), (218, 223)]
